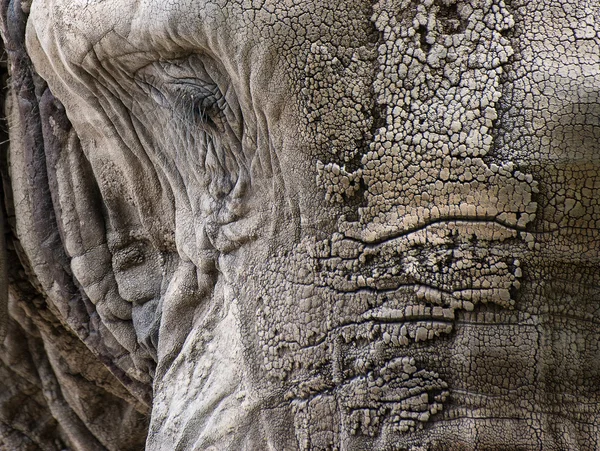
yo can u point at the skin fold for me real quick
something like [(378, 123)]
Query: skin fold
[(297, 225)]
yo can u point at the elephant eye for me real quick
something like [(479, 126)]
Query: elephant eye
[(204, 105), (204, 109)]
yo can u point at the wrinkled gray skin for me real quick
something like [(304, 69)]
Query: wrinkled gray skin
[(286, 225)]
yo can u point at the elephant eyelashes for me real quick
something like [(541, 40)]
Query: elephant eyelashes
[(203, 111), (200, 113), (204, 106)]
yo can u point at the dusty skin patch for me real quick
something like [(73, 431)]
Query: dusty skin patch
[(294, 225)]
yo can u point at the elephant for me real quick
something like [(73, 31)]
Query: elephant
[(299, 225)]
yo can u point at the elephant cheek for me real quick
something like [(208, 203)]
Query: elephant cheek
[(200, 396)]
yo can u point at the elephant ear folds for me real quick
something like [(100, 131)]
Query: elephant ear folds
[(3, 252), (3, 281)]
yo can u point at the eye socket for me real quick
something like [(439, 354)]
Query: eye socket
[(204, 109), (203, 104)]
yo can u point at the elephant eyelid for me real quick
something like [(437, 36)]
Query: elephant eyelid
[(203, 107), (153, 92), (201, 103)]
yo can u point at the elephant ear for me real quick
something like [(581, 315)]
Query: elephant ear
[(3, 281), (3, 212), (56, 355)]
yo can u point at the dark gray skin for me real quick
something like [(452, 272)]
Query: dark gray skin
[(3, 282), (289, 225)]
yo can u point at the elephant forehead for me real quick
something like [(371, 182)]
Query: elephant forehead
[(130, 31), (120, 31), (436, 88), (397, 100)]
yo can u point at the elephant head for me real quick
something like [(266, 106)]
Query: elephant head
[(369, 225)]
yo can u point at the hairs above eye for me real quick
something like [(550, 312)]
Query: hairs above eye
[(203, 109), (206, 105)]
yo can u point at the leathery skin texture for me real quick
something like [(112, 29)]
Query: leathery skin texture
[(300, 225)]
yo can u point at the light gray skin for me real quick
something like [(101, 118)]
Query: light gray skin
[(314, 226)]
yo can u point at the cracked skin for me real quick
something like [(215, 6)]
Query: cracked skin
[(300, 226)]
